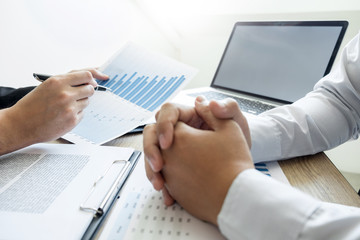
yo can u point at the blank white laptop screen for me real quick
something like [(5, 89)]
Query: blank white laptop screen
[(280, 61)]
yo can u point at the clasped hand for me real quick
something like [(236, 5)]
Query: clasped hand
[(193, 154)]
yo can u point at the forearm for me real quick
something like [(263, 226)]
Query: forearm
[(12, 136), (311, 125), (259, 207), (325, 118)]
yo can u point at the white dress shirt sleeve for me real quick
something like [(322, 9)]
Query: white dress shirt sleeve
[(259, 207), (323, 119)]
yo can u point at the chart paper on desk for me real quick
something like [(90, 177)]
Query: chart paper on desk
[(140, 82), (140, 213)]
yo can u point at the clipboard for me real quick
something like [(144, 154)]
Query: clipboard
[(102, 211)]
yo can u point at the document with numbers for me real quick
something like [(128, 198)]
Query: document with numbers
[(140, 82), (140, 212)]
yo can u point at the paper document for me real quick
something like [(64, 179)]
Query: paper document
[(141, 214), (43, 186), (140, 82)]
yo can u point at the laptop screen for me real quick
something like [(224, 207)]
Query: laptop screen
[(278, 60)]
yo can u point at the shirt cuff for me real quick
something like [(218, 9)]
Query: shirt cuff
[(259, 207), (264, 142)]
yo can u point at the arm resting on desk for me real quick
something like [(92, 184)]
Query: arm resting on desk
[(325, 118), (258, 207)]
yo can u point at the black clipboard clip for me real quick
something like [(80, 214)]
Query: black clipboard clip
[(102, 210)]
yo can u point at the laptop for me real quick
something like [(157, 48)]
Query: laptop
[(268, 64)]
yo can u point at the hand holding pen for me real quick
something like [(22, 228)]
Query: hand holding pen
[(52, 109), (43, 77), (49, 111)]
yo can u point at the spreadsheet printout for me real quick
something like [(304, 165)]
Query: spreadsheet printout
[(140, 212), (140, 82)]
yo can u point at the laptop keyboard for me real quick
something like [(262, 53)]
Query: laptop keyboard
[(246, 105)]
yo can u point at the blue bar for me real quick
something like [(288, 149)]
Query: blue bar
[(100, 81), (167, 94), (108, 82), (159, 93), (131, 87), (151, 92), (137, 89), (122, 87), (260, 164), (111, 81), (144, 91), (118, 83), (262, 169)]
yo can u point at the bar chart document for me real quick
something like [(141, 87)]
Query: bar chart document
[(140, 82)]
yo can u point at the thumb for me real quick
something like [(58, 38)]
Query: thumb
[(226, 108), (203, 110), (229, 109)]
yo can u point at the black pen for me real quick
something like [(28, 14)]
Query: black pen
[(43, 77)]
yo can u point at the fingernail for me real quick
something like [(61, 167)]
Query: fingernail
[(154, 184), (162, 141), (222, 103), (158, 186), (200, 99), (149, 160)]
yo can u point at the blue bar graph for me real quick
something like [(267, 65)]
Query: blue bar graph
[(109, 82), (137, 89), (167, 94), (159, 93), (100, 82), (123, 86), (151, 92), (139, 82), (131, 87), (144, 90), (116, 84)]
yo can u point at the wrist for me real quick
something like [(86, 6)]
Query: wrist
[(6, 139), (12, 136), (228, 181)]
